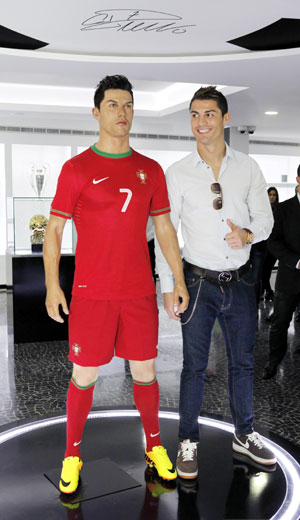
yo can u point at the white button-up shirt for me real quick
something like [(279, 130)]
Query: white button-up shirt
[(245, 203)]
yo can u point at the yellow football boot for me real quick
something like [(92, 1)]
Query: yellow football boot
[(70, 474), (158, 458)]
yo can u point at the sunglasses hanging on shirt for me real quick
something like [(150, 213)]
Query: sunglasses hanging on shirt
[(218, 201)]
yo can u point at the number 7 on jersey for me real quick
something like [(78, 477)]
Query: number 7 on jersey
[(128, 198)]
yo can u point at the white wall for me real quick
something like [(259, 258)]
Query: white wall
[(274, 166), (164, 157), (283, 147)]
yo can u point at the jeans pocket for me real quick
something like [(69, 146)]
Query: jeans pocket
[(191, 280)]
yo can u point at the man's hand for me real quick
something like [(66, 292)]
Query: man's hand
[(55, 297), (236, 239), (172, 300)]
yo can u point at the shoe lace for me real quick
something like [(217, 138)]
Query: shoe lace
[(256, 439), (188, 450)]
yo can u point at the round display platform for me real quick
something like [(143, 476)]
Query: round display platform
[(113, 451)]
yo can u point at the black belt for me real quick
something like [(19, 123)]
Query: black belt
[(217, 276)]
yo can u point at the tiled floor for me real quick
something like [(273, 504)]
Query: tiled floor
[(34, 377)]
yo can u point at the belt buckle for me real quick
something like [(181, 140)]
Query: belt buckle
[(225, 276)]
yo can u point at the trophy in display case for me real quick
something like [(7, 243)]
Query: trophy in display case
[(37, 226), (38, 174)]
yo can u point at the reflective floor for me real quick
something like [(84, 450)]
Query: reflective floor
[(226, 488), (33, 384)]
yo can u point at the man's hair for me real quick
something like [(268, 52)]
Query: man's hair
[(211, 93), (111, 82), (298, 171)]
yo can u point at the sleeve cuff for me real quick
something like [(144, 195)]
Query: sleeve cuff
[(156, 212), (59, 213), (167, 284)]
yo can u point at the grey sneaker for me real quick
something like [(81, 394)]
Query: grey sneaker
[(252, 445), (187, 462)]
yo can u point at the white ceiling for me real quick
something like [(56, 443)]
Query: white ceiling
[(139, 43)]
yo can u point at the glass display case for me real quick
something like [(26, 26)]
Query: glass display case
[(35, 169), (30, 217)]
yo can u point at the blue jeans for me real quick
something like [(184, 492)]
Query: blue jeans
[(235, 307)]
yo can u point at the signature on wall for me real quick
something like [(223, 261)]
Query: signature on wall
[(135, 20)]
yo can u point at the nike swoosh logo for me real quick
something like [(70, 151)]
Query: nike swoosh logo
[(172, 470), (76, 443), (246, 444), (154, 434), (100, 180), (65, 484)]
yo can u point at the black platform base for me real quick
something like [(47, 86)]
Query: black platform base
[(97, 479), (226, 488)]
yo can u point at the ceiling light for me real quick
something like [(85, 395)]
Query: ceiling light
[(271, 113)]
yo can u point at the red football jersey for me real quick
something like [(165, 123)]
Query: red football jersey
[(110, 198)]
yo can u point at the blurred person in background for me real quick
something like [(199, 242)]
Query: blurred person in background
[(269, 260)]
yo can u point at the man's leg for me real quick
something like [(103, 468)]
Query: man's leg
[(238, 322), (268, 265), (197, 323), (284, 306), (92, 330), (146, 398), (136, 340), (79, 403)]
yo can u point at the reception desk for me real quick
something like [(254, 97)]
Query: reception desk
[(31, 321)]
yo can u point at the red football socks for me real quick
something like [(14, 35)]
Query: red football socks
[(146, 398), (79, 404)]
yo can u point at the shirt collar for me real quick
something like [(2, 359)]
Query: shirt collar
[(298, 195), (196, 158)]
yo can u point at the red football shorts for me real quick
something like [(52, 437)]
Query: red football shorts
[(100, 329)]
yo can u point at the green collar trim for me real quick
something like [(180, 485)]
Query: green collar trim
[(111, 155)]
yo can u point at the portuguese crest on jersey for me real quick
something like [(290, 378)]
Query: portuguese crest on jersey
[(142, 176)]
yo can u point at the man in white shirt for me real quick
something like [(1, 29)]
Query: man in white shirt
[(219, 196)]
